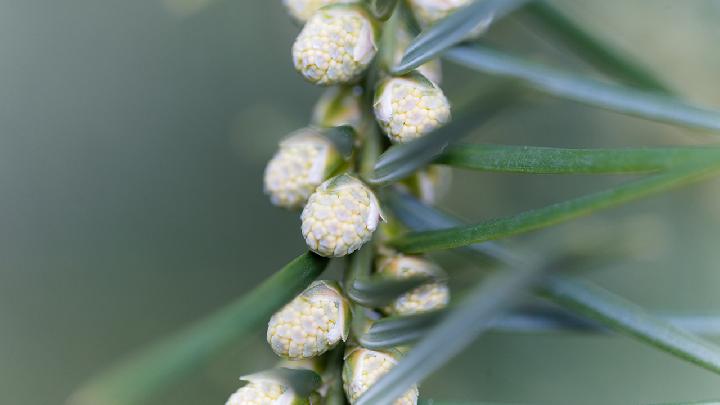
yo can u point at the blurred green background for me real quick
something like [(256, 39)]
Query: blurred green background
[(133, 135)]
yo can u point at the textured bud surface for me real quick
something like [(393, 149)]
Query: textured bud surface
[(301, 10), (311, 324), (408, 108), (428, 297), (340, 217), (430, 11), (363, 368), (262, 393), (302, 162), (336, 45)]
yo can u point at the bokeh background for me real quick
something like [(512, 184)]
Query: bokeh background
[(133, 135)]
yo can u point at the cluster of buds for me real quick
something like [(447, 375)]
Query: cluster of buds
[(336, 45), (313, 172)]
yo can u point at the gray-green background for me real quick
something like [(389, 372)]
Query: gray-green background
[(133, 135)]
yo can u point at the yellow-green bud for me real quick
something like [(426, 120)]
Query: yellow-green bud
[(336, 45), (429, 12), (315, 364), (312, 323), (341, 105), (409, 107), (301, 10), (429, 185), (262, 390), (363, 367), (303, 161), (340, 216), (428, 297)]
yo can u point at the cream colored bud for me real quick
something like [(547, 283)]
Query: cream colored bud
[(303, 161), (409, 107), (312, 323), (336, 45), (301, 10), (340, 105), (262, 390), (340, 216), (363, 367), (428, 297), (428, 12)]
